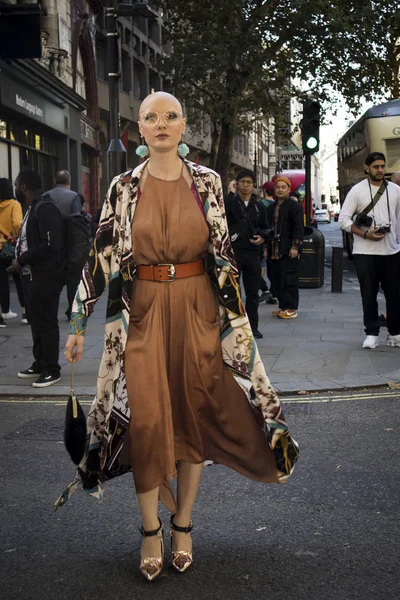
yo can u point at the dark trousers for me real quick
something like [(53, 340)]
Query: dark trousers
[(263, 285), (42, 298), (249, 265), (73, 280), (5, 286), (374, 271), (285, 282)]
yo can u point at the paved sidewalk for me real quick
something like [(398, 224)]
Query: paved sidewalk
[(320, 350)]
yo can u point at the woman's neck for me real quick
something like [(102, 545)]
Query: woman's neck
[(165, 165)]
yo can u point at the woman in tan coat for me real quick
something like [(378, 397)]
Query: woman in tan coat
[(10, 224), (179, 356)]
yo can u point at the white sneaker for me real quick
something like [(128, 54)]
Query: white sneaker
[(9, 315), (371, 341), (393, 340)]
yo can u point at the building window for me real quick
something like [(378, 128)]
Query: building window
[(154, 80), (126, 71), (140, 87), (101, 59), (154, 32)]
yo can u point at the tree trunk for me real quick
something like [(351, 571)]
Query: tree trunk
[(215, 137), (224, 156)]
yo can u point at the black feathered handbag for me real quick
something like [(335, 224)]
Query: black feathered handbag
[(75, 431)]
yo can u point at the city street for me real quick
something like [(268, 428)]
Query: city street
[(142, 133), (321, 350), (332, 532)]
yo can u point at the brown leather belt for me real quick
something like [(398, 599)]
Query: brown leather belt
[(168, 272)]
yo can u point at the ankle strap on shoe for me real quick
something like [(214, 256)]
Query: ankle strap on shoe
[(181, 529), (150, 533)]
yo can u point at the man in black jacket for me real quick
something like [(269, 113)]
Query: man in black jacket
[(286, 216), (40, 261), (248, 228)]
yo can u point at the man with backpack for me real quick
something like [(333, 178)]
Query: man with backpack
[(67, 201), (80, 235), (77, 234), (40, 261)]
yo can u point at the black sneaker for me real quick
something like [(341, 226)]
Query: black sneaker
[(265, 296), (2, 324), (31, 372), (257, 334), (272, 300), (24, 319), (45, 380)]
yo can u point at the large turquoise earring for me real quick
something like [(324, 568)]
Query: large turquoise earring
[(142, 150), (183, 149)]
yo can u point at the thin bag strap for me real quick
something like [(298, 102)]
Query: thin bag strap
[(72, 380), (73, 396)]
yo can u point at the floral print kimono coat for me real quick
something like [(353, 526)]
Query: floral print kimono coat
[(111, 264)]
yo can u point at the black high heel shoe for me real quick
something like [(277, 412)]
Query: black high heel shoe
[(181, 560), (151, 566)]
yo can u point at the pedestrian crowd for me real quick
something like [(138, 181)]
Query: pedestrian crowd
[(45, 239), (43, 249), (266, 235)]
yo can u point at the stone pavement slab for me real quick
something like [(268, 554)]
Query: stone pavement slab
[(319, 350)]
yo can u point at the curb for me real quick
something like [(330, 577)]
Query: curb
[(89, 397)]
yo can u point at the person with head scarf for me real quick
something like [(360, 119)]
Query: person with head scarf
[(286, 216)]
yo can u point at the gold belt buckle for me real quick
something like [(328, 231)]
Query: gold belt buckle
[(171, 273)]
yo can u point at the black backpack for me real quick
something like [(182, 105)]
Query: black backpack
[(77, 234)]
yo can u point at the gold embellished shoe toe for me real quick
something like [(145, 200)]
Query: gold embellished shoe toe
[(151, 566), (181, 560)]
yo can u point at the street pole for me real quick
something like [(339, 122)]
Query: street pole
[(116, 151), (308, 188), (255, 154)]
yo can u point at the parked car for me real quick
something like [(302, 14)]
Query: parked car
[(322, 215)]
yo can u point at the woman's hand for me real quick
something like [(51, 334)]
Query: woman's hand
[(74, 348)]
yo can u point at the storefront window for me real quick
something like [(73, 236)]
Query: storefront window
[(3, 129), (13, 132), (24, 137), (38, 142)]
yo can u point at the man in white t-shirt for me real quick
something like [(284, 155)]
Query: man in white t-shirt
[(376, 251)]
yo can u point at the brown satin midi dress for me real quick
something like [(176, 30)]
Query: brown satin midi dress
[(184, 402)]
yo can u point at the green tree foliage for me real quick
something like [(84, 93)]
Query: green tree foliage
[(239, 58)]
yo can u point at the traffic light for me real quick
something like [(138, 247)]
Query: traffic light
[(310, 126)]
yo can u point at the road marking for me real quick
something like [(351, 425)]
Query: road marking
[(342, 398), (39, 401), (306, 399)]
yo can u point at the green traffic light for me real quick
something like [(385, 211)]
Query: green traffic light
[(312, 143)]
